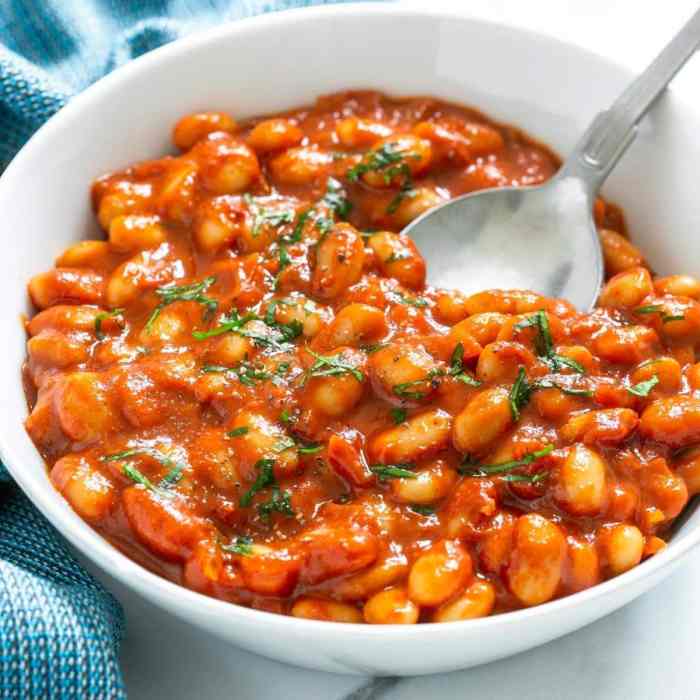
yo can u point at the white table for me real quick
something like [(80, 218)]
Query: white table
[(646, 650)]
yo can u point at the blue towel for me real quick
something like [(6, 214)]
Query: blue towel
[(59, 629)]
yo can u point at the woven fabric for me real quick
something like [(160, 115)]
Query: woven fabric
[(59, 630)]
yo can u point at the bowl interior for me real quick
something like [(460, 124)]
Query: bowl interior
[(550, 89)]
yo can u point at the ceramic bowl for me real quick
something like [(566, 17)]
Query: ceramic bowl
[(551, 89)]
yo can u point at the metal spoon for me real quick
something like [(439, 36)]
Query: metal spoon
[(543, 238)]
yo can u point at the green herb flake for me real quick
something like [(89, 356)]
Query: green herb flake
[(457, 367), (265, 478), (282, 368), (406, 192), (468, 468), (643, 389), (249, 374), (280, 502), (421, 509), (310, 448), (137, 477), (388, 160), (393, 471), (103, 316), (238, 432), (286, 417), (171, 293), (243, 546), (216, 369), (280, 335), (266, 217), (227, 324), (336, 199), (372, 347), (544, 345), (119, 456), (175, 467), (397, 257), (398, 415), (408, 390), (331, 366), (659, 309), (409, 301), (519, 394), (571, 391)]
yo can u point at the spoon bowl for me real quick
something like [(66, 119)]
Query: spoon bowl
[(541, 238)]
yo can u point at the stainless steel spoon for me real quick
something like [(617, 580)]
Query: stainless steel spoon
[(543, 238)]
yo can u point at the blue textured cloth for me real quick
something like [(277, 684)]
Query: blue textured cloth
[(59, 630)]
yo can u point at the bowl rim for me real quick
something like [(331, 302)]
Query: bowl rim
[(157, 589)]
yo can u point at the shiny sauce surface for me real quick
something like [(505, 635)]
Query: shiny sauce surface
[(247, 386)]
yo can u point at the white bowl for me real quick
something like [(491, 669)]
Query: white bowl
[(278, 61)]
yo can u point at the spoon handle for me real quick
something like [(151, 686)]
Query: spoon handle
[(613, 130)]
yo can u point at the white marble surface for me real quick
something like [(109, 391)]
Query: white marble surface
[(644, 651)]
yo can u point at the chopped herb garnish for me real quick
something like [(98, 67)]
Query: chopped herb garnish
[(336, 200), (265, 478), (650, 309), (286, 417), (543, 340), (421, 509), (406, 192), (659, 309), (388, 160), (280, 502), (457, 367), (280, 333), (338, 204), (468, 468), (372, 347), (103, 316), (331, 366), (184, 292), (175, 466), (237, 432), (174, 475), (549, 384), (407, 390), (227, 324), (556, 362), (393, 471), (544, 346), (396, 257), (119, 456), (242, 546), (284, 261), (643, 388), (398, 415), (519, 394), (267, 217), (409, 301), (137, 477), (310, 448), (248, 374), (526, 478), (216, 369)]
